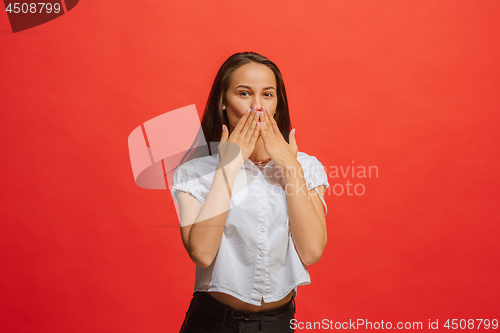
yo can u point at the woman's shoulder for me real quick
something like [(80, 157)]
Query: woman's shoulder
[(302, 155), (199, 166), (314, 171), (195, 177), (306, 159)]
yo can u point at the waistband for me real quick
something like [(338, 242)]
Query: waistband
[(227, 312)]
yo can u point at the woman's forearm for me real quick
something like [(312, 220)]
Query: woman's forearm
[(206, 232), (305, 225)]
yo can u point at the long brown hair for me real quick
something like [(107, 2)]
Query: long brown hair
[(214, 116)]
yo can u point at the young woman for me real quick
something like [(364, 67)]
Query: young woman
[(252, 213)]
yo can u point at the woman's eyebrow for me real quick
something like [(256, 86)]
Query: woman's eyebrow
[(248, 87)]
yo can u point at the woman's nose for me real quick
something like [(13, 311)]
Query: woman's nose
[(257, 102)]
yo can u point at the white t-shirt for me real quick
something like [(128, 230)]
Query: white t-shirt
[(257, 257)]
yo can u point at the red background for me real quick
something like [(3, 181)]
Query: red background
[(408, 86)]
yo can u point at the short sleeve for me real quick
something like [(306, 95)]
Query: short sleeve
[(186, 180), (314, 173)]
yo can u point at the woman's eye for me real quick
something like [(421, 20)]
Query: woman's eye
[(269, 95), (243, 92)]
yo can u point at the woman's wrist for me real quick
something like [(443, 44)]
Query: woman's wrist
[(229, 169), (291, 167)]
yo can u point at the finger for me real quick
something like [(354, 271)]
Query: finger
[(225, 134), (252, 128), (269, 124), (264, 131), (248, 125), (291, 139), (268, 132), (275, 126), (242, 121), (256, 133), (241, 135)]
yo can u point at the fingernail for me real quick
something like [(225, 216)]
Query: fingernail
[(248, 111), (262, 114), (293, 131), (267, 110), (223, 128), (254, 108)]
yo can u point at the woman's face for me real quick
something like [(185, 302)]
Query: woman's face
[(252, 84)]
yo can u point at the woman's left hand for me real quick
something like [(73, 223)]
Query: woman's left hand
[(282, 153)]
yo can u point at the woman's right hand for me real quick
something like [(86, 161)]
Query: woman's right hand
[(241, 141)]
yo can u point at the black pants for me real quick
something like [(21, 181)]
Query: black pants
[(208, 315)]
